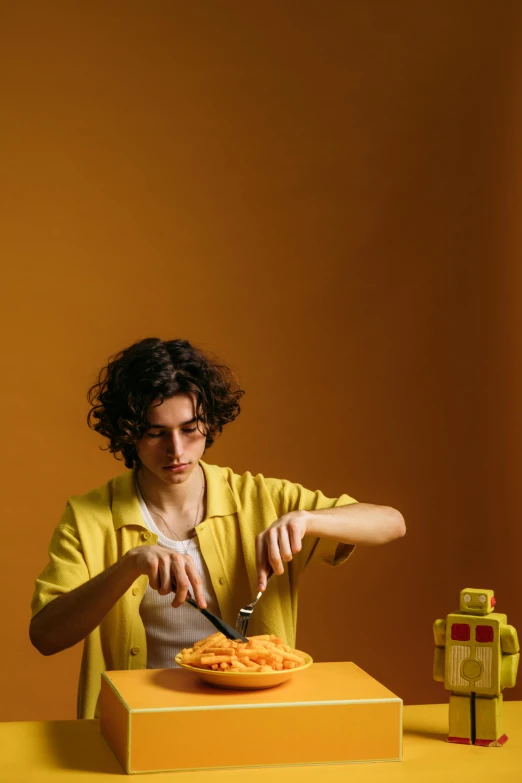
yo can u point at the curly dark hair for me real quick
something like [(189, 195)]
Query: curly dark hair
[(152, 369)]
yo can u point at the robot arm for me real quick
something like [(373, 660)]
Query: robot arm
[(510, 656), (509, 640), (439, 634)]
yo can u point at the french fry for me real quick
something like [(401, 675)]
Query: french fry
[(287, 656), (206, 659), (203, 642), (249, 664), (218, 651), (250, 653), (237, 666)]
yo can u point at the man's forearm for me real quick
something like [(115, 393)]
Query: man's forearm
[(71, 617), (360, 524)]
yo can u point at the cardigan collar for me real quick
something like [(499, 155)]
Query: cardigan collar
[(126, 508)]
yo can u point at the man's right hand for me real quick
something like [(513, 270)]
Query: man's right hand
[(70, 617), (168, 572)]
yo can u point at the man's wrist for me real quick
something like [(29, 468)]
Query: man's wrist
[(129, 564), (304, 519)]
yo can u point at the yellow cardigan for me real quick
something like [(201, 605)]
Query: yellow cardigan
[(98, 528)]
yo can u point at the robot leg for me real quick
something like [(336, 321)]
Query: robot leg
[(489, 721), (460, 718)]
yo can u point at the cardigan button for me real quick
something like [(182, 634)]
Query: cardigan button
[(135, 590), (145, 536), (135, 650)]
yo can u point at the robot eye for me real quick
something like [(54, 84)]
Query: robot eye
[(483, 599), (467, 598)]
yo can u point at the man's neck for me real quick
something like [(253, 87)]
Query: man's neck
[(173, 498)]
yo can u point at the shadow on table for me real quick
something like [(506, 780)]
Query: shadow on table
[(79, 745), (426, 721), (432, 735)]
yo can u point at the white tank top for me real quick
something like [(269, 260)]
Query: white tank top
[(169, 630)]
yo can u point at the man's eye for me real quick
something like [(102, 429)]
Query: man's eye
[(159, 434)]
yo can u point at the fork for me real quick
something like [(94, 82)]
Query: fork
[(245, 613)]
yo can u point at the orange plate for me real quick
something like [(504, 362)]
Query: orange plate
[(244, 680)]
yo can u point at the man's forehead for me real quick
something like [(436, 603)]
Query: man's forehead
[(176, 409)]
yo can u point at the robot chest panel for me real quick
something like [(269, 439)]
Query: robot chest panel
[(473, 650)]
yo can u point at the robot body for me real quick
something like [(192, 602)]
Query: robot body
[(476, 656)]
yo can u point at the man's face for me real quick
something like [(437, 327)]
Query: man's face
[(172, 440)]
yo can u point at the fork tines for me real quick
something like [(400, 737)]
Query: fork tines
[(243, 619)]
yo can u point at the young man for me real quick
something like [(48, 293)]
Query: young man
[(174, 519)]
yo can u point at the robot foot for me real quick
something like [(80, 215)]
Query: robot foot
[(485, 743), (460, 740)]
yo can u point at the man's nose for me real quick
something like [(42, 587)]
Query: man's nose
[(173, 443)]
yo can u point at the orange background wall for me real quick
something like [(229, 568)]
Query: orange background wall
[(325, 195)]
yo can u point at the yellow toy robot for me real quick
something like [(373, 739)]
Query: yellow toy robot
[(476, 656)]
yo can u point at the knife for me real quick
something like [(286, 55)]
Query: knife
[(217, 622)]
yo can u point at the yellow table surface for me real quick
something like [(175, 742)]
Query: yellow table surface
[(61, 751)]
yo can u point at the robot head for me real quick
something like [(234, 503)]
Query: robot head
[(474, 601)]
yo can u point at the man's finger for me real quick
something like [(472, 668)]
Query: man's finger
[(296, 541), (274, 555), (154, 581), (262, 562), (285, 549), (197, 584), (178, 575), (164, 581)]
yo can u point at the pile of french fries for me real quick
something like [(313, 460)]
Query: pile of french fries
[(265, 653)]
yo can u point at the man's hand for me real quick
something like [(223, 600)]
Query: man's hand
[(278, 544), (169, 571)]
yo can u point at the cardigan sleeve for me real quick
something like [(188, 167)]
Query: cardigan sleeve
[(66, 568)]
